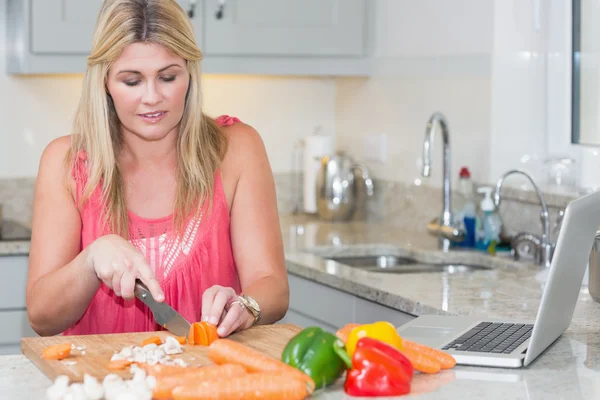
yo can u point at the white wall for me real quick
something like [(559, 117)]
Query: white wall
[(483, 63), (35, 110), (430, 56)]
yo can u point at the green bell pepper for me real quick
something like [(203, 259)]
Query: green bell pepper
[(312, 351)]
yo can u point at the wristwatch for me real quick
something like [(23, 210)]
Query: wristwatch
[(252, 306)]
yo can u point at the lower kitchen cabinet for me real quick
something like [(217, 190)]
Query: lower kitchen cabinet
[(316, 304), (294, 317), (15, 324)]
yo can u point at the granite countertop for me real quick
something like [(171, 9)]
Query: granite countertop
[(568, 369), (14, 238), (508, 289)]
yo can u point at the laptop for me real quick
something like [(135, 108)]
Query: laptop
[(513, 344)]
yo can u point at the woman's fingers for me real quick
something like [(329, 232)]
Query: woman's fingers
[(146, 275), (233, 319), (221, 298), (115, 283), (128, 281)]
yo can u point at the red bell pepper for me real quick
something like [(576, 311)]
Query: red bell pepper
[(378, 369)]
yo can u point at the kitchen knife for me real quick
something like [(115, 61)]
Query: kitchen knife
[(164, 314)]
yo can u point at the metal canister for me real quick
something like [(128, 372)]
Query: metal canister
[(594, 269)]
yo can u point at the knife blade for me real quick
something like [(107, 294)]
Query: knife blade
[(164, 314)]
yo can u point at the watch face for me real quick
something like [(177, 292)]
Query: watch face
[(252, 302)]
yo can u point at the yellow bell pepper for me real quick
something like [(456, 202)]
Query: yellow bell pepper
[(381, 330)]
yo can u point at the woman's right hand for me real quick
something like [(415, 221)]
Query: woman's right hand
[(117, 263)]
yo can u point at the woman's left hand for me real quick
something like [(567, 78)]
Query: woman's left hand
[(221, 307)]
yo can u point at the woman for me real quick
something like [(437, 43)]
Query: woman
[(150, 188)]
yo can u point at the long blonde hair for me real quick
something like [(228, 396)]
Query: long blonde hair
[(96, 128)]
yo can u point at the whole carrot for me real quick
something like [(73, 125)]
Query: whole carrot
[(260, 385), (164, 369), (226, 351), (165, 384), (445, 359), (344, 331), (422, 362)]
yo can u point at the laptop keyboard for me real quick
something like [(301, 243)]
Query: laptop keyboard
[(488, 337)]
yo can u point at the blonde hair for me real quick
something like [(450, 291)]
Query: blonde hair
[(96, 128)]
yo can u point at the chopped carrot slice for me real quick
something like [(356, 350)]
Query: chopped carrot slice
[(181, 339), (57, 351), (115, 365), (152, 340), (211, 332), (198, 334)]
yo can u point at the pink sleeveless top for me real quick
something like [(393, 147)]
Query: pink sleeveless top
[(185, 266)]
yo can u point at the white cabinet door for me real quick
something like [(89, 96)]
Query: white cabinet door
[(67, 26), (15, 326), (303, 321), (321, 305), (286, 28), (63, 26), (13, 281)]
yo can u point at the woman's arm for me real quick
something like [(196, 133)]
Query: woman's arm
[(62, 280), (59, 286), (255, 232)]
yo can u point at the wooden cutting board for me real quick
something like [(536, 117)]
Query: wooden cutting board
[(268, 339)]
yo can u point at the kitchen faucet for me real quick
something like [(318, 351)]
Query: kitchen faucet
[(447, 218), (543, 245)]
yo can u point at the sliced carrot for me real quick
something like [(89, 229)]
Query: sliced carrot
[(422, 362), (197, 334), (211, 332), (262, 385), (152, 340), (225, 351), (181, 339), (200, 335), (57, 351), (344, 332), (445, 359), (191, 338), (165, 384), (115, 365)]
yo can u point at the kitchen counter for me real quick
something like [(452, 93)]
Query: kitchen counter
[(568, 369), (508, 289)]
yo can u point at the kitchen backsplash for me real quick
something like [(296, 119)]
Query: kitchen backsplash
[(408, 206), (411, 207), (16, 197)]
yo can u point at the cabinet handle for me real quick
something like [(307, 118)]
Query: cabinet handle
[(221, 9), (192, 8)]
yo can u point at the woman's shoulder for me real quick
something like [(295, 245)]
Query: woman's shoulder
[(242, 139), (56, 151)]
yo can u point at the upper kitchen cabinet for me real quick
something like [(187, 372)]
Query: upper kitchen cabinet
[(291, 36), (53, 36), (268, 37)]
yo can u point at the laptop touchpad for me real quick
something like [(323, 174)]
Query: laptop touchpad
[(426, 332)]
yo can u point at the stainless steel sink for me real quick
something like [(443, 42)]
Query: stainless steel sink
[(396, 264)]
